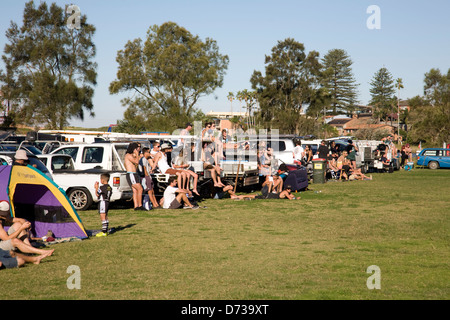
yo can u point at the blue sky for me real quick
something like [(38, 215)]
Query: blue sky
[(414, 37)]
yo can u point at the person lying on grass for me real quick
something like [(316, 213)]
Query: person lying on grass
[(228, 192)]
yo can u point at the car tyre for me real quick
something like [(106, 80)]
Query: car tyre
[(80, 198), (433, 165)]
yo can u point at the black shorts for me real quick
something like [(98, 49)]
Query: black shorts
[(133, 178), (103, 206)]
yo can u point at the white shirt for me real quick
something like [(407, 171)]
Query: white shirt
[(162, 163), (298, 150), (169, 196)]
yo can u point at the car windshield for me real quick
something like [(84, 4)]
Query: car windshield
[(32, 149), (35, 162)]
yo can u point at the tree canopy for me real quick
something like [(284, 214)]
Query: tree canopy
[(430, 116), (338, 79), (50, 72), (168, 73), (288, 85), (382, 93)]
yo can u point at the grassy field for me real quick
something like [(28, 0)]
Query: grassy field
[(318, 247)]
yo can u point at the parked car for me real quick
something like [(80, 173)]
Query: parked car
[(106, 156), (90, 160), (8, 157), (56, 162), (434, 158)]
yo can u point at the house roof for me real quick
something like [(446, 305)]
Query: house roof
[(339, 121), (363, 123)]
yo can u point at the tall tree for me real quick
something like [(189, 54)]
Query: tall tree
[(50, 73), (398, 85), (430, 117), (169, 72), (382, 93), (338, 79), (290, 82)]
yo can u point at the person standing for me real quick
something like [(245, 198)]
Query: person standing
[(145, 165), (103, 193), (131, 163), (323, 150), (185, 132), (299, 153)]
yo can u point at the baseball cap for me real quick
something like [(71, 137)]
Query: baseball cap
[(166, 146), (21, 155)]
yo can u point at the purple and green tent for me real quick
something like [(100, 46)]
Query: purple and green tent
[(33, 196)]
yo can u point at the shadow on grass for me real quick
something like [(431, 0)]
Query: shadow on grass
[(92, 233)]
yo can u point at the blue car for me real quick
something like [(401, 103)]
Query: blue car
[(434, 158)]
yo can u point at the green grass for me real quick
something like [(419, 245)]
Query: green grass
[(318, 247)]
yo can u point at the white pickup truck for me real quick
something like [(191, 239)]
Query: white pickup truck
[(107, 156), (79, 184)]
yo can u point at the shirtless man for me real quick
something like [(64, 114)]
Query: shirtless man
[(133, 178)]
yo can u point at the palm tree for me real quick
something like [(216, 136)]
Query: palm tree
[(399, 85)]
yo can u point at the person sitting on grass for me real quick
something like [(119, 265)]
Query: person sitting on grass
[(272, 184), (17, 235), (11, 259), (286, 194), (174, 197)]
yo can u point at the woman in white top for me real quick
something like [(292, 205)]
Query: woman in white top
[(160, 161)]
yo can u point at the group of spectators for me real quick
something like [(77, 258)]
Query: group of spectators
[(341, 164), (140, 162)]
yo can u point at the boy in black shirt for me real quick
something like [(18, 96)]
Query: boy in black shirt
[(103, 193)]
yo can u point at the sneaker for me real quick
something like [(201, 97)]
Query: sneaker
[(101, 234), (193, 207)]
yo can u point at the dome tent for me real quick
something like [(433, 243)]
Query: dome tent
[(34, 197)]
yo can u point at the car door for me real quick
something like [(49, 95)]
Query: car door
[(444, 158), (91, 157)]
